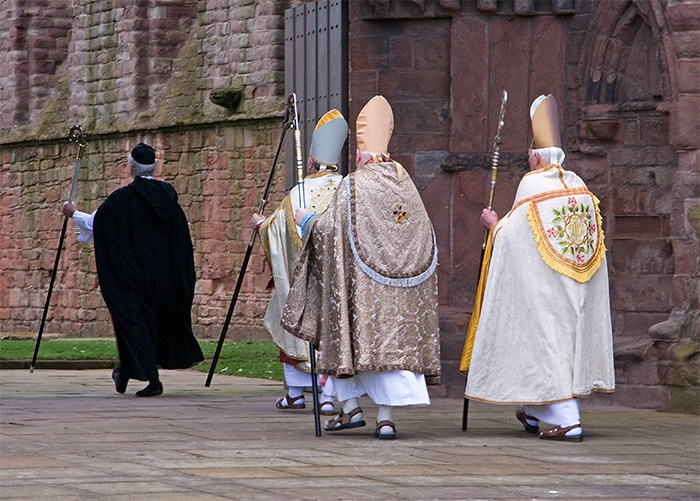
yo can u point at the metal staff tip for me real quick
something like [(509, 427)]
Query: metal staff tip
[(77, 135)]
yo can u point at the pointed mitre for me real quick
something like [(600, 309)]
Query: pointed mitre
[(544, 114), (328, 138), (374, 127)]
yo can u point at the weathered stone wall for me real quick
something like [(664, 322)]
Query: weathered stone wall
[(626, 76), (203, 80), (216, 172), (128, 72), (33, 46)]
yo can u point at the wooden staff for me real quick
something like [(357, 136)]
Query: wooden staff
[(287, 125), (497, 141), (76, 135)]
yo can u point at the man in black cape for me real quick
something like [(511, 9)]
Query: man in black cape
[(145, 268)]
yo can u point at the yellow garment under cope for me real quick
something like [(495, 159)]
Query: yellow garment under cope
[(541, 330)]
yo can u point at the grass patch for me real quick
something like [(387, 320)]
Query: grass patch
[(258, 359), (58, 349), (253, 359)]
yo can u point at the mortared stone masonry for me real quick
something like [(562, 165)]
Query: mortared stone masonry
[(203, 82)]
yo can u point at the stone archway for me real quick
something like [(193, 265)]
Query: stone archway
[(624, 139)]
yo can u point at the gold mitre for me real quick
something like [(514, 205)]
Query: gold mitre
[(544, 114), (328, 138), (374, 127)]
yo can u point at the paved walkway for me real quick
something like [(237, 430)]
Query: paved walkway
[(66, 435)]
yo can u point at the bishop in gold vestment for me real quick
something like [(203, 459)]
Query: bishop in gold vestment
[(365, 289)]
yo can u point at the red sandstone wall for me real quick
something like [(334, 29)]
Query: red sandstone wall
[(133, 72), (620, 101), (627, 75)]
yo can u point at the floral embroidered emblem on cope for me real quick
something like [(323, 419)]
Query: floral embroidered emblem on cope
[(400, 213), (568, 232), (321, 196), (574, 230)]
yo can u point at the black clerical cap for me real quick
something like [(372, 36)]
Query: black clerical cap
[(144, 154)]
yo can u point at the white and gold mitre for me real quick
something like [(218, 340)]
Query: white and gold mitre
[(374, 127), (544, 115), (328, 138)]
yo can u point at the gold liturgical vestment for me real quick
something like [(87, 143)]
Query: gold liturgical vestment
[(365, 288)]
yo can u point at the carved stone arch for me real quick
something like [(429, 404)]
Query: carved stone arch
[(631, 148), (626, 49)]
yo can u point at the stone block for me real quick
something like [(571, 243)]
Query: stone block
[(424, 84), (689, 76), (685, 254), (628, 200), (547, 58), (685, 122), (636, 326), (600, 130), (633, 292), (683, 16), (432, 54), (643, 256), (640, 396), (469, 89), (402, 51), (370, 53), (684, 400), (687, 44), (654, 131), (640, 227), (647, 373)]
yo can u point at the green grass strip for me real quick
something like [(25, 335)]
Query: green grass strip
[(255, 359)]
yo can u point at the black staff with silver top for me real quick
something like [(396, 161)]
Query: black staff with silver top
[(288, 124), (76, 135)]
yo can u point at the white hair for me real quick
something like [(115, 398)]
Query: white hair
[(550, 155), (141, 169)]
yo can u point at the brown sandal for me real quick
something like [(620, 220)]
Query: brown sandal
[(291, 403), (560, 433), (385, 436), (344, 421), (524, 418)]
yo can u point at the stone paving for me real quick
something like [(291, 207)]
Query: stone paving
[(66, 435)]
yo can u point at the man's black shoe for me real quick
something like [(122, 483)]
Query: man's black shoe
[(119, 382), (153, 389)]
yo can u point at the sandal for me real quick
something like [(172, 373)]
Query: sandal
[(326, 408), (561, 433), (344, 421), (525, 420), (390, 435), (287, 403)]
